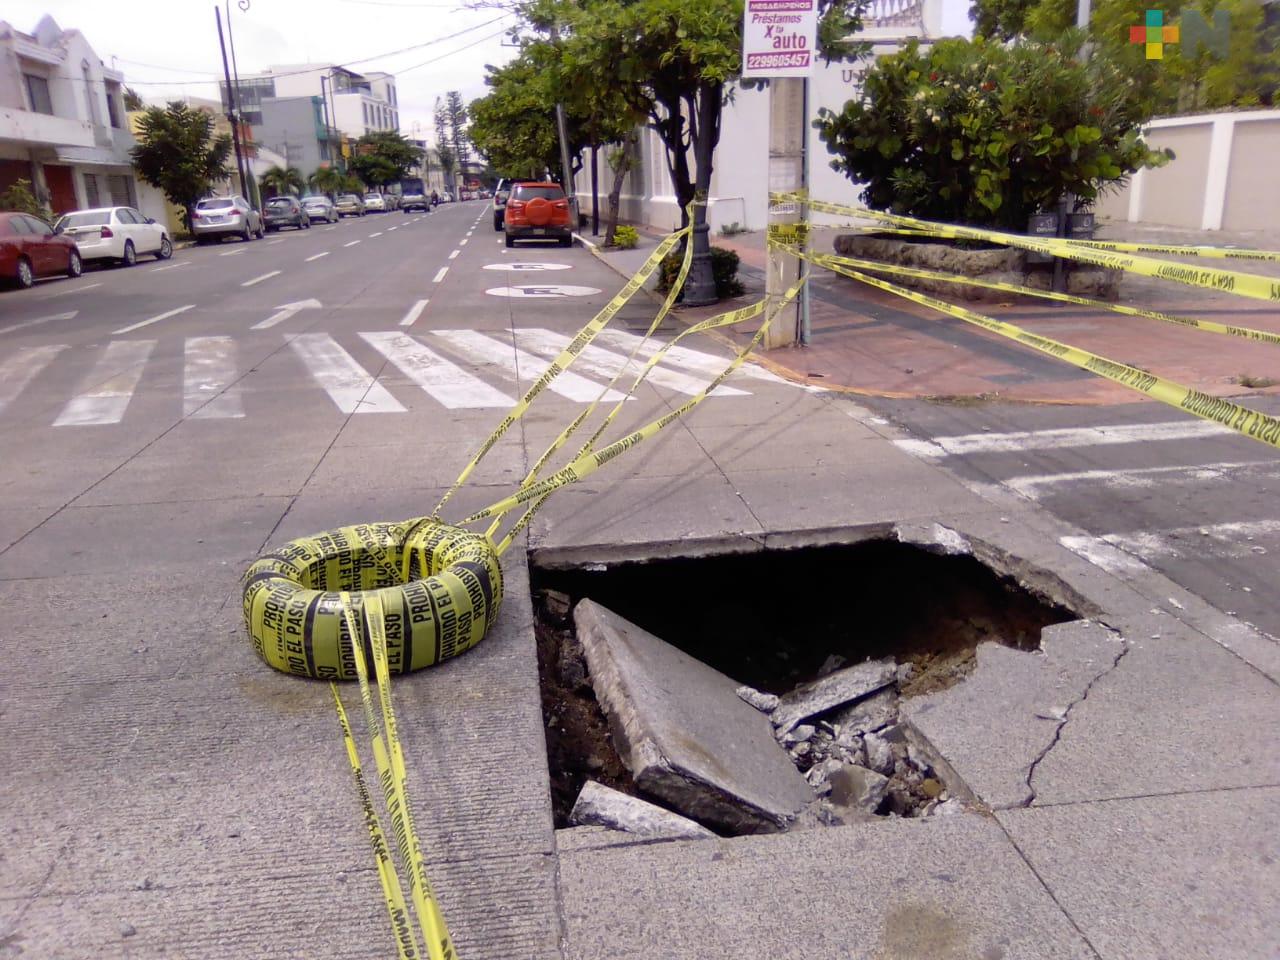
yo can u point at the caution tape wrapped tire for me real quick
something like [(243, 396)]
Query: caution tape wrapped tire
[(440, 589)]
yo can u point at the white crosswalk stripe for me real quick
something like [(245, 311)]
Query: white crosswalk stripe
[(106, 391), (459, 369), (506, 358), (705, 365), (605, 364), (348, 384), (208, 374), (19, 369), (1063, 438), (446, 382)]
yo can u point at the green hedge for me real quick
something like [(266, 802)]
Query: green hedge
[(724, 267)]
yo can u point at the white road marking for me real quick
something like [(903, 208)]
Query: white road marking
[(107, 389), (704, 364), (515, 363), (150, 320), (414, 313), (272, 243), (440, 275), (443, 381), (69, 315), (351, 244), (1062, 438), (1124, 552), (233, 253), (334, 227), (454, 255), (462, 242), (20, 368), (208, 373), (348, 384), (606, 363), (378, 234), (63, 291), (265, 276), (285, 311), (1141, 477), (391, 229), (170, 266), (317, 256)]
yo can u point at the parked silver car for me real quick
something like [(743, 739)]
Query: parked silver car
[(218, 217), (320, 207)]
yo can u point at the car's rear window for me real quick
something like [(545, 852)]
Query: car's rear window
[(279, 202), (94, 219), (348, 196), (538, 193), (214, 204)]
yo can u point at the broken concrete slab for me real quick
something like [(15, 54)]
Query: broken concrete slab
[(601, 806), (832, 691), (764, 702), (988, 728), (879, 753), (684, 733), (858, 788), (868, 714)]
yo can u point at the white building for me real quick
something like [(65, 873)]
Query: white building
[(357, 103), (62, 120), (740, 179)]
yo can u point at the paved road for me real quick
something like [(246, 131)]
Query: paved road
[(1146, 485)]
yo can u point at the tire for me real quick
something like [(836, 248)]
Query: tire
[(75, 266), (130, 255), (457, 569), (271, 229), (306, 224), (511, 241), (566, 241), (25, 278), (166, 248), (247, 235)]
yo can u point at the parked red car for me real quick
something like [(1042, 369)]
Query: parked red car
[(537, 211), (29, 249)]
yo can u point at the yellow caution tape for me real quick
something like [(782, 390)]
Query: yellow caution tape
[(567, 356), (1250, 423), (1249, 285), (1209, 326), (449, 598), (1121, 246), (589, 463)]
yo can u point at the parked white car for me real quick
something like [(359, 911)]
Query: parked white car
[(115, 233), (374, 203)]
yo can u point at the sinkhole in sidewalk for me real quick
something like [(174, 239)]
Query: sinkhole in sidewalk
[(791, 622)]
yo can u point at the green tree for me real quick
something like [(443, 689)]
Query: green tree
[(281, 181), (444, 145), (383, 157), (1184, 80), (132, 101), (326, 180), (673, 62), (21, 198), (178, 154), (458, 118), (984, 133)]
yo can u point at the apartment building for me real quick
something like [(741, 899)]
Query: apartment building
[(62, 119)]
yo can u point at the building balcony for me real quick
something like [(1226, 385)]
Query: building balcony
[(884, 20), (30, 129)]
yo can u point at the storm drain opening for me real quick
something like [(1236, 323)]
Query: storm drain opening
[(754, 692)]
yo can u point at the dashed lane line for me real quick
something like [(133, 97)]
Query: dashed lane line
[(440, 275), (351, 244), (156, 319), (317, 256), (265, 276), (414, 313)]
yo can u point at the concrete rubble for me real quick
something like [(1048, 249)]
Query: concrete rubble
[(601, 806), (683, 731), (841, 687)]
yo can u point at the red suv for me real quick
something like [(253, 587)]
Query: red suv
[(537, 211)]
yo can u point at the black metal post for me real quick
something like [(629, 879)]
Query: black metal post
[(595, 190), (231, 106)]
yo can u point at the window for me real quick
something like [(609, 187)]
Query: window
[(97, 219), (113, 112), (38, 227), (19, 225), (121, 188), (366, 113), (526, 193), (125, 215), (38, 92)]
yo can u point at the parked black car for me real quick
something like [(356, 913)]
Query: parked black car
[(285, 212)]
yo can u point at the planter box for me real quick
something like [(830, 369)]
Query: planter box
[(1000, 265)]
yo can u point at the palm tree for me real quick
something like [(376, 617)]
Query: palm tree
[(326, 180), (282, 180)]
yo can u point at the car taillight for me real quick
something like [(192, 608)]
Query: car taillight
[(515, 206), (106, 233), (195, 214)]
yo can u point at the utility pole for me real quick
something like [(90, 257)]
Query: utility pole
[(232, 110), (787, 132)]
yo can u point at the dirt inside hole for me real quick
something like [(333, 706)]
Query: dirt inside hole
[(774, 620)]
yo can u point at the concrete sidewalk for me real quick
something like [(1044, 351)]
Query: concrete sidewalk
[(866, 341)]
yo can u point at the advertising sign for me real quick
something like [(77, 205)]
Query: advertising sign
[(779, 38)]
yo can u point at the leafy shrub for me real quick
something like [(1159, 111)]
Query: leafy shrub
[(976, 132), (626, 238), (20, 198), (724, 268)]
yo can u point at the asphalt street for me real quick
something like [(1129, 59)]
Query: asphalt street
[(1145, 484)]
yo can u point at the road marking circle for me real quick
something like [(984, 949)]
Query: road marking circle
[(531, 292), (529, 267)]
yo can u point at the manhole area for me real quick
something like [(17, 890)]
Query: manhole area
[(783, 622)]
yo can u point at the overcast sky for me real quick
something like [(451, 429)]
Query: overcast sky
[(170, 47)]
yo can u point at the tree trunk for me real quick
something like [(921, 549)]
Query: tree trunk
[(595, 190), (701, 286), (615, 194)]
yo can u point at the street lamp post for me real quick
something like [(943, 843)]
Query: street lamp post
[(232, 110)]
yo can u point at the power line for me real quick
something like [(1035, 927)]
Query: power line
[(443, 56), (349, 63)]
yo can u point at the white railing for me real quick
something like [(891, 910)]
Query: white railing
[(894, 13)]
